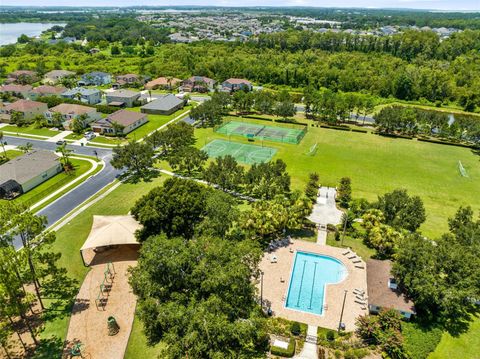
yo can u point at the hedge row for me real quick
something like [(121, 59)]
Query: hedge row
[(287, 353), (358, 130), (440, 142), (341, 128), (393, 135)]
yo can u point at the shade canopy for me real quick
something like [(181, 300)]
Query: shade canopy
[(111, 230)]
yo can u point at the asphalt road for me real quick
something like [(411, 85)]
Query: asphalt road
[(82, 192)]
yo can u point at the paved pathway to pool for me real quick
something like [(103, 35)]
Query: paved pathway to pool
[(325, 210), (309, 350), (276, 281)]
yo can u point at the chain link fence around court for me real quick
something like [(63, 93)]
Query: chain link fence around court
[(242, 152), (293, 134)]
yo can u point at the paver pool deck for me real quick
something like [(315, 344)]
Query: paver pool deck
[(275, 291)]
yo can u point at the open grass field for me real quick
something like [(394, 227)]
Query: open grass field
[(30, 130), (69, 240), (377, 165)]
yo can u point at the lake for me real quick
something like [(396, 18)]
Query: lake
[(10, 32)]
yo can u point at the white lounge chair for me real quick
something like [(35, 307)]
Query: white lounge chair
[(273, 259)]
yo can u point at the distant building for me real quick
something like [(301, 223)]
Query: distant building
[(27, 108), (71, 112), (233, 84), (23, 173), (55, 76), (383, 291), (128, 80), (163, 83), (66, 40), (46, 90), (16, 90), (95, 78), (129, 120), (88, 95), (123, 98), (22, 77), (165, 105), (198, 84)]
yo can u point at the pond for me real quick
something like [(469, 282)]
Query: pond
[(9, 33)]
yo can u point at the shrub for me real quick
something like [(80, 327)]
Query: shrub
[(295, 328), (331, 227), (287, 353), (330, 335)]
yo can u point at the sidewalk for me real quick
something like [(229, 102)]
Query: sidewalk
[(309, 350), (60, 136)]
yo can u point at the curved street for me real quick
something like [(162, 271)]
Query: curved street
[(63, 205)]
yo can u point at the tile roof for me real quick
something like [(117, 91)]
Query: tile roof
[(59, 73), (162, 81), (46, 89), (81, 90), (15, 88), (122, 117), (379, 293), (25, 105), (72, 109), (235, 81), (123, 93)]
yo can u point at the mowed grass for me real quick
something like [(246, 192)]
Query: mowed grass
[(465, 345), (378, 164), (30, 130), (69, 241)]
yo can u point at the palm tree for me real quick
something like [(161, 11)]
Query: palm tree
[(3, 144), (65, 156), (26, 148), (117, 128)]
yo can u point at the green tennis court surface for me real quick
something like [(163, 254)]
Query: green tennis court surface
[(242, 152), (265, 132)]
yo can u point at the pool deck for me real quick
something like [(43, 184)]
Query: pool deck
[(275, 291)]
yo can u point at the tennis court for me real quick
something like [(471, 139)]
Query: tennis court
[(270, 133), (242, 152)]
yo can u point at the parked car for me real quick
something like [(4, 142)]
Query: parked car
[(61, 142), (89, 135)]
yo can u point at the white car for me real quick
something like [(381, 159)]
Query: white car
[(89, 135)]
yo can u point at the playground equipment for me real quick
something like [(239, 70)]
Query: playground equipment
[(76, 350), (105, 286), (113, 327)]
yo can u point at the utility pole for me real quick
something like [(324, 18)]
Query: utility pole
[(345, 225), (341, 314), (261, 289)]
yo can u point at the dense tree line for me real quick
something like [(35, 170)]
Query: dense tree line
[(412, 121), (379, 74)]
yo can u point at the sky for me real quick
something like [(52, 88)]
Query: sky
[(412, 4)]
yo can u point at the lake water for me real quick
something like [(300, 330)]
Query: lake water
[(9, 33)]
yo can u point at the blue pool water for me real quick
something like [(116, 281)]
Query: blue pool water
[(311, 272)]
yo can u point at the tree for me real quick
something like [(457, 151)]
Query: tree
[(441, 276), (57, 119), (266, 180), (65, 152), (26, 148), (23, 39), (198, 298), (189, 160), (114, 50), (401, 210), (285, 107), (311, 189), (344, 194), (174, 209), (220, 214), (136, 157), (208, 114), (225, 172), (78, 124), (117, 128), (173, 139), (17, 118), (380, 236)]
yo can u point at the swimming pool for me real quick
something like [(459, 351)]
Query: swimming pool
[(310, 274)]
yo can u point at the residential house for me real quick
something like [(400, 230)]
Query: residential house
[(167, 83), (22, 77), (123, 98), (233, 84), (128, 120), (56, 76), (46, 90), (67, 40), (16, 90), (71, 112), (95, 78), (23, 173), (27, 108), (128, 80), (383, 291), (88, 95), (198, 84), (94, 50), (164, 105)]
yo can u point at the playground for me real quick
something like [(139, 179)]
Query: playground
[(293, 134), (242, 152)]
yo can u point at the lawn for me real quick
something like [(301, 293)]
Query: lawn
[(30, 130), (154, 122), (378, 164), (466, 345), (137, 344), (69, 240), (54, 183), (74, 136), (11, 154)]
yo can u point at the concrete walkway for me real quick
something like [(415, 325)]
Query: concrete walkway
[(60, 136), (69, 184), (309, 350), (322, 236), (325, 210)]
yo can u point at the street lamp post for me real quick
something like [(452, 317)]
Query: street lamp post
[(261, 289), (341, 314), (345, 225)]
